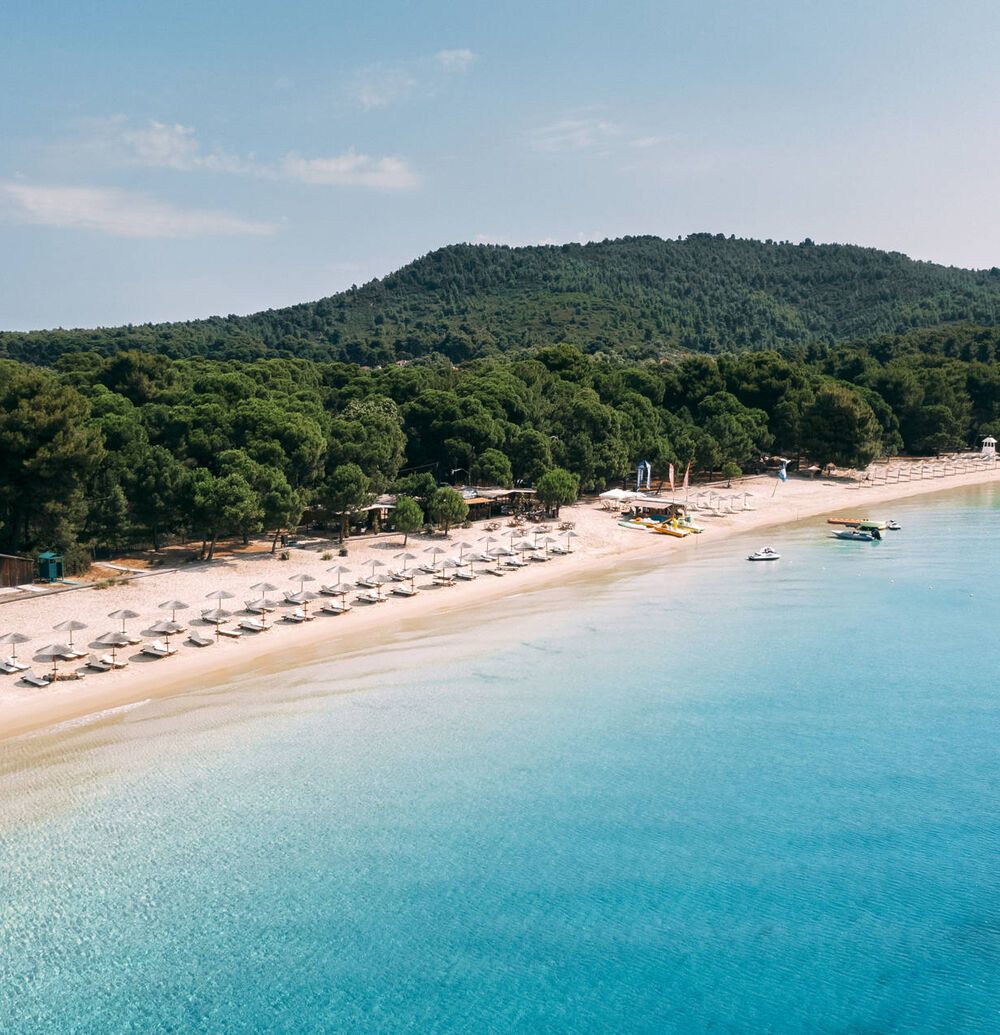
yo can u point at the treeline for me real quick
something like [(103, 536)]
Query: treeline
[(106, 452), (639, 297)]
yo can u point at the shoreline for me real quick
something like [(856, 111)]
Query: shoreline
[(287, 647)]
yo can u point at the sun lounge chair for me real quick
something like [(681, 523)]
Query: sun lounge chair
[(404, 591), (368, 583), (561, 550), (251, 607), (13, 665), (233, 634), (465, 576), (444, 580), (200, 641), (31, 679), (107, 659), (335, 609), (254, 625), (97, 664), (74, 655), (427, 569), (293, 598), (538, 556), (330, 591), (369, 598), (494, 571), (158, 649), (298, 615)]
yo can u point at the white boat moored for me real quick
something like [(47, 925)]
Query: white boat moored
[(765, 553)]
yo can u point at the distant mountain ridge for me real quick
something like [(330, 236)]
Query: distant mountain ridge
[(636, 297)]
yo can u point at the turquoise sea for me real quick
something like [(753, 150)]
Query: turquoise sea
[(706, 796)]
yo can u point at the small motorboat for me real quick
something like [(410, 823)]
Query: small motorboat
[(857, 535), (893, 525), (765, 553)]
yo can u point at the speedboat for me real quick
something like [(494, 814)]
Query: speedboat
[(854, 534), (893, 525), (765, 553)]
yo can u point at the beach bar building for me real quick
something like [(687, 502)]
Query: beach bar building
[(15, 571)]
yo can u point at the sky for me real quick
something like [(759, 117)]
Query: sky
[(175, 160)]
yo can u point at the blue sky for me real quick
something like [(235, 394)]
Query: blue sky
[(208, 157)]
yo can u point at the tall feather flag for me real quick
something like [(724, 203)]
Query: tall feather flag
[(671, 477), (687, 476), (782, 475)]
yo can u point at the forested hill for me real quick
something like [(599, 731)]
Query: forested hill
[(635, 297)]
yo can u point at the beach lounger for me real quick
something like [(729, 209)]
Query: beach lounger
[(31, 679), (561, 550), (293, 598), (298, 615), (404, 591), (233, 634), (538, 557), (335, 609), (158, 649), (369, 598), (465, 576), (200, 641), (74, 655), (254, 625), (494, 571), (111, 662), (249, 607), (367, 583), (95, 663), (13, 665), (427, 569), (444, 580), (330, 591)]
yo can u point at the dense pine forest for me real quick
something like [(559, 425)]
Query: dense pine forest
[(636, 298), (558, 367)]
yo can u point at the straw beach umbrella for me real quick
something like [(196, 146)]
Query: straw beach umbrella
[(219, 594), (375, 564), (462, 547), (53, 652), (435, 552), (70, 626), (114, 640), (124, 615), (14, 638), (339, 570), (300, 579), (173, 606), (405, 558), (168, 629), (307, 598), (263, 588), (570, 536)]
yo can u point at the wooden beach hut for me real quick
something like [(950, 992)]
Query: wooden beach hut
[(15, 571)]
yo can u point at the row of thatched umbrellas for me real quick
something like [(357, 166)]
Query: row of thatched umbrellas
[(55, 652)]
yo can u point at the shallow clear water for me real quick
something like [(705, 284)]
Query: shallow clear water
[(711, 796)]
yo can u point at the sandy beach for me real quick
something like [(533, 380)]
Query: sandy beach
[(601, 545)]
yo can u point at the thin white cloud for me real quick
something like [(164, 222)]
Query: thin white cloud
[(160, 145), (176, 147), (350, 170), (378, 86), (117, 213), (459, 60), (579, 134)]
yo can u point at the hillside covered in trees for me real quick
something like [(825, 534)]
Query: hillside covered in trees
[(635, 298), (105, 452)]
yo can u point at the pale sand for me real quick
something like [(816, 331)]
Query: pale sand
[(602, 545)]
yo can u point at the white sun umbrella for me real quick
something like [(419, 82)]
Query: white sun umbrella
[(55, 651), (547, 542), (462, 547), (339, 570), (173, 606), (405, 558), (70, 626), (375, 564), (300, 579), (220, 594), (217, 616), (14, 639), (114, 640), (262, 604), (124, 614), (307, 598), (570, 536), (263, 588)]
